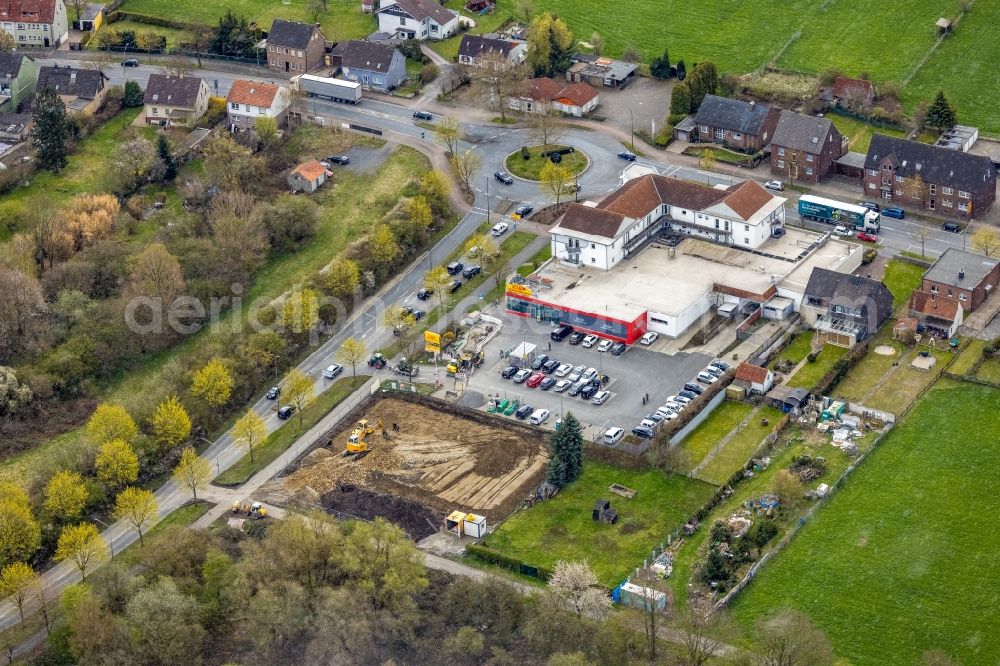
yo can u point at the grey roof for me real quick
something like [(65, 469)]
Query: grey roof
[(421, 9), (473, 46), (941, 166), (85, 83), (10, 64), (172, 90), (291, 33), (799, 132), (732, 114), (91, 11), (946, 269), (591, 65), (686, 125), (370, 56), (852, 159), (14, 122), (847, 289)]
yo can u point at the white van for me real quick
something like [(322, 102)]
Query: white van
[(539, 416), (612, 435)]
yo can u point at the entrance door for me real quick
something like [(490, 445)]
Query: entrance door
[(286, 65), (364, 80)]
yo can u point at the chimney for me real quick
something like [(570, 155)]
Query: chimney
[(961, 275), (72, 77)]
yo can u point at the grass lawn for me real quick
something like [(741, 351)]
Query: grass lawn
[(858, 132), (279, 440), (989, 371), (173, 35), (809, 374), (796, 350), (739, 449), (893, 566), (902, 277), (540, 258), (869, 370), (906, 383), (183, 516), (562, 528), (719, 153), (531, 168), (448, 48), (719, 424), (968, 358)]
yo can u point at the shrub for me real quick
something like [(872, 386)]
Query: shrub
[(812, 357), (428, 73), (869, 256)]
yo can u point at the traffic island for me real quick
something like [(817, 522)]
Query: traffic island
[(527, 162)]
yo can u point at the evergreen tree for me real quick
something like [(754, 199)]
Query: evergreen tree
[(566, 450), (681, 70), (680, 100), (163, 150), (133, 95), (660, 67), (51, 128), (704, 80), (941, 114)]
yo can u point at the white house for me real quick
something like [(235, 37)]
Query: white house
[(476, 51), (757, 379), (40, 23), (250, 100), (416, 19)]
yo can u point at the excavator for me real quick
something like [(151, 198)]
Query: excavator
[(357, 442)]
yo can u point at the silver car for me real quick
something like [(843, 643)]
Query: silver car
[(601, 397)]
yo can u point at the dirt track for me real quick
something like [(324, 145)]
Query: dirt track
[(440, 459)]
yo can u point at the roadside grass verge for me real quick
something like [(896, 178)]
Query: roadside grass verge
[(532, 265), (809, 374), (738, 450), (719, 424)]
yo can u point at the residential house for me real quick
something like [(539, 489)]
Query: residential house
[(374, 66), (965, 276), (940, 315), (746, 126), (913, 174), (175, 100), (81, 90), (15, 127), (295, 47), (805, 147), (543, 94), (756, 379), (250, 100), (845, 309), (417, 19), (91, 17), (601, 72), (18, 74), (475, 51), (38, 23), (307, 177), (853, 94)]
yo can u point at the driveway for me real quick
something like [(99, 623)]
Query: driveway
[(648, 99)]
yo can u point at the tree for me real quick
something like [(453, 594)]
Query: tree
[(985, 240), (941, 114), (597, 42), (435, 186), (90, 218), (230, 165), (700, 627), (352, 352), (7, 41), (482, 247), (17, 583), (550, 44), (171, 423), (382, 247), (680, 100), (291, 222), (397, 318), (149, 41), (576, 584), (300, 311), (242, 241), (163, 625), (133, 164), (315, 8), (117, 464), (83, 545), (788, 488), (438, 281), (707, 159), (449, 133), (791, 639), (14, 396), (155, 282), (267, 129), (341, 278), (20, 535), (383, 565), (137, 507), (110, 422), (166, 156), (566, 448), (51, 128), (200, 36), (65, 495), (495, 81), (465, 165), (298, 389), (250, 431), (133, 96), (192, 472), (213, 384), (660, 67), (556, 179), (681, 70), (418, 212), (22, 313), (631, 54), (704, 80), (922, 233), (546, 129)]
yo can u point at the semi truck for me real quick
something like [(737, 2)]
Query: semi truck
[(838, 212), (327, 88)]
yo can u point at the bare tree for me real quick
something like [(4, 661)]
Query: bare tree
[(547, 129), (985, 240), (700, 628), (577, 586), (922, 233), (464, 166), (495, 81), (791, 639), (448, 132)]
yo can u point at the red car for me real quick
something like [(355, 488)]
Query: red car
[(535, 380), (871, 238)]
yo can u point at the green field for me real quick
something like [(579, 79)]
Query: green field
[(719, 424), (173, 35), (562, 528), (738, 450), (898, 561), (809, 374)]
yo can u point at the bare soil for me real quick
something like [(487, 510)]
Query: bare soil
[(417, 520)]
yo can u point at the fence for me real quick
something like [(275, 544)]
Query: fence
[(743, 330), (698, 418)]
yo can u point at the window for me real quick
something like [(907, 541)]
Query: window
[(934, 289), (593, 246), (298, 53), (781, 152), (949, 292), (20, 26), (809, 171), (704, 128), (270, 48), (933, 188), (746, 227), (947, 190), (930, 205), (809, 158), (781, 165), (963, 195), (872, 172), (872, 186), (886, 167), (716, 223), (234, 106), (899, 193), (886, 194), (964, 207), (962, 297), (899, 179), (746, 241), (434, 27), (737, 136), (946, 203), (260, 110), (155, 111), (720, 133)]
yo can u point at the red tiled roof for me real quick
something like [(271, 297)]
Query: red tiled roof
[(310, 170), (591, 221), (639, 196), (544, 89), (28, 11), (747, 198), (751, 373), (844, 86), (254, 93), (941, 307), (578, 94)]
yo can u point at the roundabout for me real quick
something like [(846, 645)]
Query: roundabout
[(527, 162)]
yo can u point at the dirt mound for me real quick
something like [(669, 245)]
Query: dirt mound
[(414, 518)]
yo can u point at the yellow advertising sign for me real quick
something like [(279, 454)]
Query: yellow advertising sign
[(432, 342), (520, 290)]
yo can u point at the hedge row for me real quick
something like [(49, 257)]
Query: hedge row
[(116, 16), (496, 558)]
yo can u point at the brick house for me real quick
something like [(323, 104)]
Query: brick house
[(805, 147), (965, 276), (746, 126), (845, 309), (917, 175), (295, 47), (249, 100), (940, 315), (39, 23), (170, 101)]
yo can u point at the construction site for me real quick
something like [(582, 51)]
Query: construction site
[(413, 460)]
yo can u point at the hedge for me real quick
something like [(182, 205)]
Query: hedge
[(496, 558), (151, 20)]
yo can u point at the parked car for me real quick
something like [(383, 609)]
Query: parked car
[(601, 397), (953, 227), (577, 337), (286, 412), (680, 399), (500, 228), (561, 385), (563, 370), (424, 294), (523, 211), (642, 432), (535, 380), (841, 230), (649, 423), (612, 435), (604, 345), (423, 115), (867, 237), (576, 387), (618, 348), (649, 337), (706, 377), (539, 361), (273, 393), (897, 213), (560, 332), (590, 340), (524, 411), (454, 268), (504, 177), (539, 416), (454, 286), (720, 364), (130, 62), (472, 271), (509, 371), (870, 205), (714, 371), (588, 391), (589, 375), (332, 371), (521, 376), (775, 185), (550, 365), (690, 395), (694, 387), (338, 159), (627, 155), (547, 383)]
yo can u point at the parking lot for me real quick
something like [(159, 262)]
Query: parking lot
[(635, 372)]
